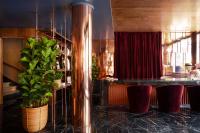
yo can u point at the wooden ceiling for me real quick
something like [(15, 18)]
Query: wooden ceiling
[(155, 15)]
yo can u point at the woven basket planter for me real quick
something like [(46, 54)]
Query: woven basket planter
[(34, 119)]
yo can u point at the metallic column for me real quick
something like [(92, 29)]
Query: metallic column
[(194, 47), (1, 71), (1, 83), (81, 64), (1, 118)]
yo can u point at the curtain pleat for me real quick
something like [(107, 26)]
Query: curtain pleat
[(138, 55)]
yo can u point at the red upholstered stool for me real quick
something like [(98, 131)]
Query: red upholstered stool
[(169, 98), (139, 98), (194, 97)]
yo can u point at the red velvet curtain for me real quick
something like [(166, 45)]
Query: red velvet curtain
[(138, 55)]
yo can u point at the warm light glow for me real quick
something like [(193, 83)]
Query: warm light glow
[(181, 25), (178, 53), (198, 47), (86, 68)]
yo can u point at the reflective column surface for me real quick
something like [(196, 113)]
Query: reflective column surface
[(1, 71), (81, 73), (1, 117)]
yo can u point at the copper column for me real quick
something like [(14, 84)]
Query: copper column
[(1, 83), (81, 64), (1, 71)]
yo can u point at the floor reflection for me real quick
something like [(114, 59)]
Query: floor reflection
[(108, 120), (1, 117), (117, 120)]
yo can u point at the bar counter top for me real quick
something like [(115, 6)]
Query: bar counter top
[(165, 80), (108, 87)]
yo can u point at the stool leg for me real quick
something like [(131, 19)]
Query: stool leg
[(64, 105), (53, 109)]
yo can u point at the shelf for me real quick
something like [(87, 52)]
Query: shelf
[(68, 72), (68, 85), (62, 70), (64, 61), (58, 36), (63, 86)]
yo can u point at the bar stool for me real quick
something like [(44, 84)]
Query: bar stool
[(139, 98), (169, 98), (194, 97)]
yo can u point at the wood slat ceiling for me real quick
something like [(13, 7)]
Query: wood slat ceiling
[(155, 15)]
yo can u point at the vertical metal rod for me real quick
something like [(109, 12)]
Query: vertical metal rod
[(171, 40), (62, 91), (53, 111), (36, 20), (175, 61), (61, 28), (53, 19), (199, 46), (180, 42), (65, 97), (1, 118), (1, 84)]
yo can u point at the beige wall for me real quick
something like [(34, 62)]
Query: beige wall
[(11, 57), (17, 32), (13, 40), (99, 46)]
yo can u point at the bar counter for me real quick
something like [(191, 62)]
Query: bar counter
[(113, 91)]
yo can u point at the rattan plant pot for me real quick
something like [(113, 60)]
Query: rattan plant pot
[(34, 119)]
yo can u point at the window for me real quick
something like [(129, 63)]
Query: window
[(176, 51), (198, 47)]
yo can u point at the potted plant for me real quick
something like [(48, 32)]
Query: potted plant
[(57, 79), (36, 81), (95, 82), (95, 69)]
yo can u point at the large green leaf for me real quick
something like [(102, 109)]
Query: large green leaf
[(32, 42), (37, 86), (25, 94), (33, 64), (23, 81), (51, 43), (33, 90), (26, 51), (35, 79), (25, 59), (36, 52), (44, 40), (48, 72), (25, 88), (48, 94), (46, 53)]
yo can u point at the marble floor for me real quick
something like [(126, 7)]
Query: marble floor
[(117, 120), (108, 120), (1, 117)]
